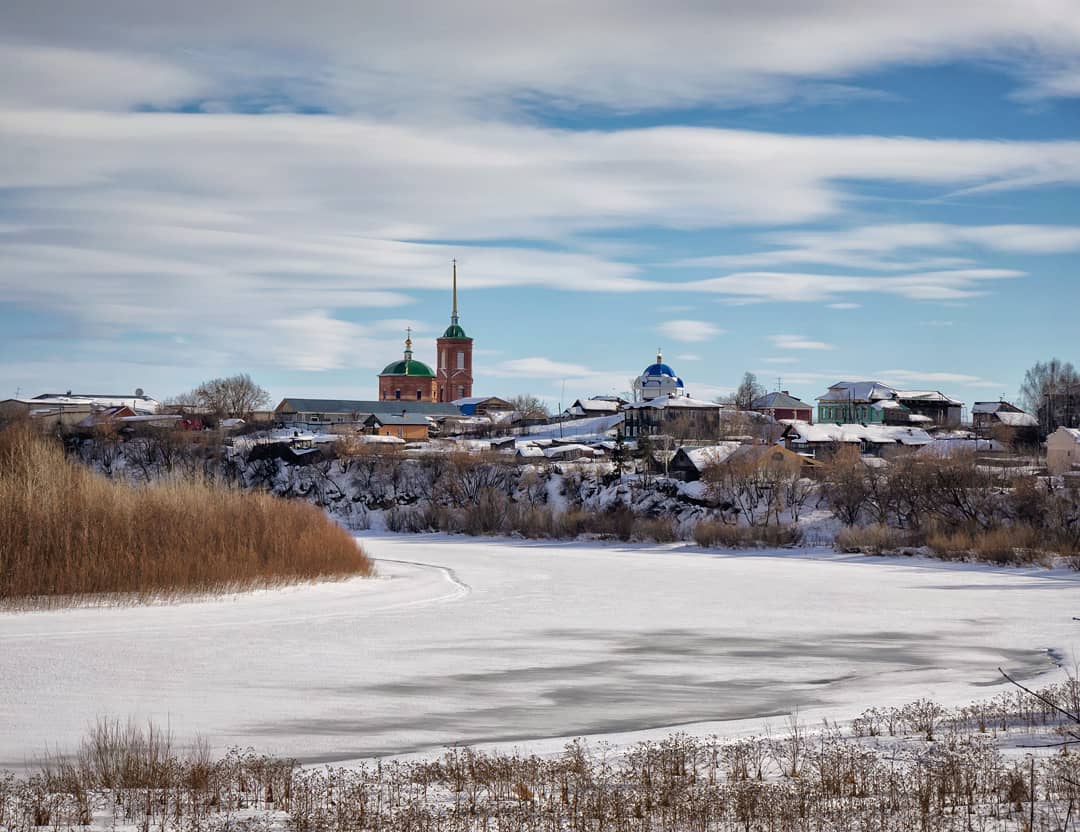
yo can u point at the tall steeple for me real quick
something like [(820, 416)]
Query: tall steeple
[(453, 313), (454, 352)]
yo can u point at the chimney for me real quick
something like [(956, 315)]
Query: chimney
[(785, 392)]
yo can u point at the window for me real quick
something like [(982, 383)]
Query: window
[(461, 391), (442, 393), (443, 359), (397, 394), (461, 360), (418, 395)]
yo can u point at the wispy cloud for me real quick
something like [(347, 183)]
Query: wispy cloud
[(798, 342), (689, 331)]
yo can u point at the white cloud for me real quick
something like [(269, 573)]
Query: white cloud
[(797, 342), (845, 305), (902, 377), (688, 356), (570, 52), (891, 248), (689, 331)]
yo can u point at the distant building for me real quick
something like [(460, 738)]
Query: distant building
[(324, 413), (871, 402), (407, 380), (1004, 421), (596, 406), (1063, 451), (823, 440), (782, 405), (454, 355), (658, 381), (412, 427), (680, 417), (140, 403)]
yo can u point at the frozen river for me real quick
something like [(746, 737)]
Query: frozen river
[(465, 641)]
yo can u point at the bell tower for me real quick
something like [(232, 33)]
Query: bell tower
[(453, 354)]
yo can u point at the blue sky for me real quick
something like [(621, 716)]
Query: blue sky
[(853, 190)]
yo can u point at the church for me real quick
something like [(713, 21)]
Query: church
[(412, 380), (658, 381)]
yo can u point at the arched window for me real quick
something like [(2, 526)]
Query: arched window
[(418, 394), (461, 360)]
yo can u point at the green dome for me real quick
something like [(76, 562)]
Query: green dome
[(454, 331), (408, 368)]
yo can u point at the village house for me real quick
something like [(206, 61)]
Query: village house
[(594, 406), (1063, 451), (327, 413), (1005, 422), (871, 402), (782, 405), (823, 440), (680, 417), (689, 464), (412, 427)]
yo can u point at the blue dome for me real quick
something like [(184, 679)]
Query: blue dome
[(659, 370), (678, 382)]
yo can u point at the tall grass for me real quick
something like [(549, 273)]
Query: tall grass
[(66, 532)]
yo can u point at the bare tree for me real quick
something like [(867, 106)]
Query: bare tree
[(529, 407), (1046, 388), (748, 390), (235, 397)]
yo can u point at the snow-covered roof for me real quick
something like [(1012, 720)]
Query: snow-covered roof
[(858, 391), (918, 417), (366, 439), (948, 447), (926, 396), (567, 450), (597, 405), (529, 451), (888, 404), (989, 407), (873, 434), (1017, 420), (593, 426), (1073, 432), (711, 454)]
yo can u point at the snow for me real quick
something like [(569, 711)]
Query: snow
[(1018, 420), (466, 641), (597, 426), (875, 434)]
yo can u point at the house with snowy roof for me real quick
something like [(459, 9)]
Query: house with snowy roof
[(595, 406), (1005, 421), (822, 440), (871, 402), (689, 464), (1063, 451), (678, 416)]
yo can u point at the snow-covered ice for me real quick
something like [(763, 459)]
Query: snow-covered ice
[(467, 641)]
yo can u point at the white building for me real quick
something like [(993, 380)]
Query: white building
[(658, 381), (1063, 451)]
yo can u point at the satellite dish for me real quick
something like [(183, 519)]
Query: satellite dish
[(139, 392)]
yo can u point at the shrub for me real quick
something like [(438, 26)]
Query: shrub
[(871, 540), (711, 534), (66, 531)]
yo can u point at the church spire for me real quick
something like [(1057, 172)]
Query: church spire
[(408, 348), (454, 314)]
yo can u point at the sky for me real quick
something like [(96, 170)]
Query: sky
[(842, 190)]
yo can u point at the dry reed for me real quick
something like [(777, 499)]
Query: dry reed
[(66, 532)]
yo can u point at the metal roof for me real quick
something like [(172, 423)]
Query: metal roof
[(348, 406)]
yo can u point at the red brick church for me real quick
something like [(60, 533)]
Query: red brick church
[(412, 380)]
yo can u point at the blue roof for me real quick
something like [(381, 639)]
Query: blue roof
[(659, 370)]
